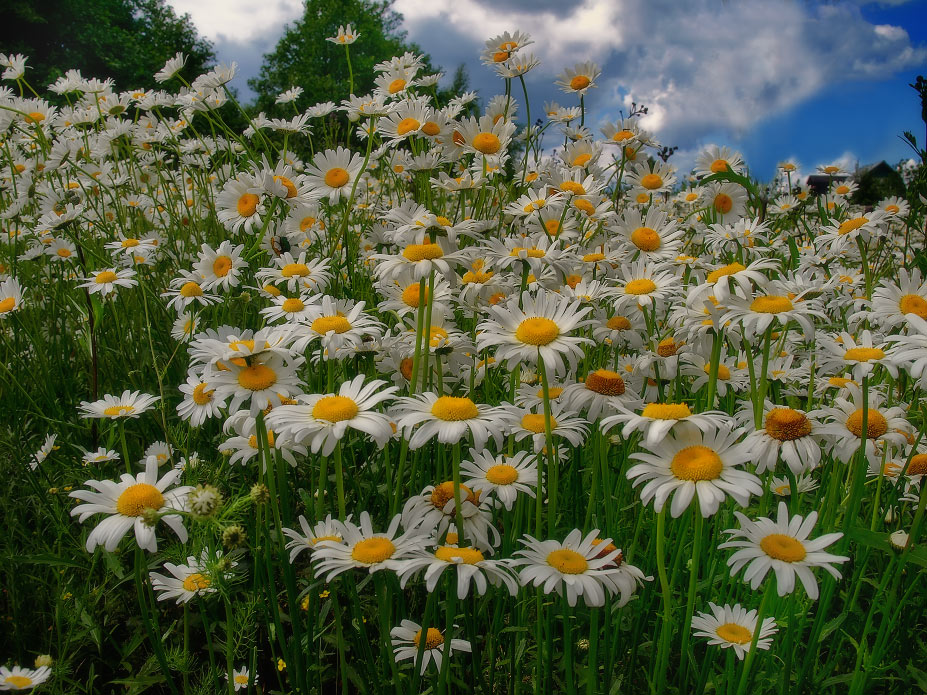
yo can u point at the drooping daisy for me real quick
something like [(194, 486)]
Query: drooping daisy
[(690, 462), (783, 546), (576, 566), (657, 419), (130, 404), (538, 330), (470, 565), (733, 627), (362, 548), (406, 641), (502, 477), (323, 419), (186, 290), (106, 281), (126, 503), (328, 529), (19, 678), (450, 418)]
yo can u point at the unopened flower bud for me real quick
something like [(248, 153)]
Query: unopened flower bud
[(260, 494)]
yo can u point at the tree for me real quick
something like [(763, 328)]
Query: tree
[(127, 40), (303, 58)]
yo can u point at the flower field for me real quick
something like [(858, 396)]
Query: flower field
[(404, 395)]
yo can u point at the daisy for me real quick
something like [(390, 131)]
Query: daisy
[(860, 354), (721, 281), (341, 326), (484, 136), (106, 281), (187, 581), (836, 236), (260, 381), (892, 301), (577, 566), (537, 331), (728, 201), (434, 512), (130, 404), (733, 627), (470, 566), (345, 35), (187, 290), (332, 173), (578, 79), (690, 462), (243, 447), (11, 297), (653, 236), (657, 419), (200, 402), (101, 455), (845, 426), (650, 178), (769, 307), (221, 267), (534, 425), (323, 420), (297, 309), (328, 529), (127, 503), (241, 678), (645, 285), (787, 433), (19, 678), (500, 49), (782, 487), (715, 160), (47, 447), (297, 272), (171, 67), (240, 205), (406, 641), (362, 548), (602, 391), (417, 260), (450, 418), (784, 547), (502, 477)]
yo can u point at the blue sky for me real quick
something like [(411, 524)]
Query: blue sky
[(812, 81)]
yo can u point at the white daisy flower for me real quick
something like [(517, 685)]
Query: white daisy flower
[(131, 404), (733, 627), (406, 642)]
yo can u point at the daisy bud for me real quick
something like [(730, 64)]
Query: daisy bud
[(43, 660), (890, 515), (234, 537), (150, 517), (582, 644), (899, 539), (260, 494), (204, 501)]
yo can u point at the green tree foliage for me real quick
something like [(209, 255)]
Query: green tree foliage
[(127, 40), (303, 58)]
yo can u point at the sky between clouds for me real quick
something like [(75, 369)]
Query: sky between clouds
[(775, 78)]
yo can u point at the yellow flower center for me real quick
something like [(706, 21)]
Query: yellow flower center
[(724, 373), (781, 547), (191, 289), (412, 297), (732, 632), (373, 550), (241, 680), (200, 394), (431, 128), (581, 160), (573, 187), (407, 125), (7, 304), (580, 82), (723, 203), (453, 409), (422, 252), (247, 204), (294, 270), (327, 324), (290, 187), (502, 474), (135, 499), (771, 304), (668, 347), (666, 411), (105, 276), (196, 581), (221, 266), (719, 165), (537, 330), (396, 85), (842, 189), (863, 354), (567, 561), (640, 286), (486, 143), (646, 239), (851, 225), (731, 269), (477, 276), (534, 422), (918, 465), (618, 323), (622, 135), (292, 305), (118, 410), (257, 377), (336, 177), (444, 493), (64, 252), (785, 424), (876, 425), (584, 205), (913, 304), (605, 382), (433, 638), (19, 682), (335, 409), (467, 556), (696, 463), (652, 181)]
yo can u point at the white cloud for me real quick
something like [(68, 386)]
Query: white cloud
[(238, 20)]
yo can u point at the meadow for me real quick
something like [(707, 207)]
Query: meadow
[(405, 394)]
